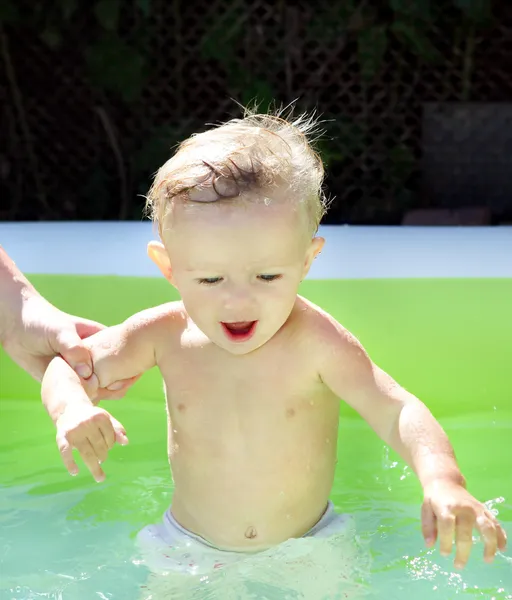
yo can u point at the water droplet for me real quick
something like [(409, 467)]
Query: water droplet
[(288, 516), (327, 441), (312, 402)]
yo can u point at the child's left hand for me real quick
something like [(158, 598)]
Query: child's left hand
[(449, 511)]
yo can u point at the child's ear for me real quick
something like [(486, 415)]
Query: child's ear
[(317, 243), (158, 254)]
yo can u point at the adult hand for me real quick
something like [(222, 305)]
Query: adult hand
[(44, 331), (450, 512)]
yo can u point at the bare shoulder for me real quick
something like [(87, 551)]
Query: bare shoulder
[(134, 346), (325, 334)]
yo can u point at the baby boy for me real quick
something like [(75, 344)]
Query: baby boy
[(253, 372)]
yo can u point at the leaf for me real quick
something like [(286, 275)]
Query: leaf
[(9, 12), (158, 145), (417, 41), (68, 8), (419, 9), (260, 92), (331, 23), (371, 47), (223, 34), (401, 164), (350, 136), (342, 139), (479, 11), (51, 38), (115, 66), (107, 13), (145, 7)]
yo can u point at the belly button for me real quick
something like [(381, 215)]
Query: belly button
[(251, 533), (290, 412)]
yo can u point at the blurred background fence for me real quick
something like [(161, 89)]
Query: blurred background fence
[(415, 95)]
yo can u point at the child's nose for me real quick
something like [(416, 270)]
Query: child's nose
[(238, 299)]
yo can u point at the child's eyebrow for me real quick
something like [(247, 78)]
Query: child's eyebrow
[(216, 268)]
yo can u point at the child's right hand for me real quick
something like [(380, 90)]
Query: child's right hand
[(93, 432)]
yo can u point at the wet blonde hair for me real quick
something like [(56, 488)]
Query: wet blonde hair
[(250, 154)]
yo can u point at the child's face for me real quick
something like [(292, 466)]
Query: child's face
[(238, 267)]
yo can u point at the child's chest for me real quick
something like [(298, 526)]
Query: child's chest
[(245, 396)]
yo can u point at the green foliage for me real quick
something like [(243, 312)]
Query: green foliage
[(9, 12), (121, 69), (410, 23), (144, 6), (331, 22), (68, 8), (107, 13), (371, 48), (224, 32), (51, 37), (401, 164), (416, 40), (116, 67), (415, 9), (478, 11), (343, 138), (158, 146)]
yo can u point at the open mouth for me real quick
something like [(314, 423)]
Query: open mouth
[(240, 331)]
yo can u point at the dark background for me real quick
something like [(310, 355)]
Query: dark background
[(416, 94)]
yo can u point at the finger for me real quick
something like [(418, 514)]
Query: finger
[(502, 537), (98, 443), (463, 539), (106, 394), (69, 345), (487, 529), (123, 384), (108, 433), (91, 460), (116, 390), (66, 453), (501, 534), (121, 437), (428, 524), (446, 530), (85, 327)]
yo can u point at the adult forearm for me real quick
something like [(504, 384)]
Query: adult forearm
[(422, 443), (14, 289)]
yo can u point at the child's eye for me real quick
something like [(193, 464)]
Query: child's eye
[(269, 277), (210, 280)]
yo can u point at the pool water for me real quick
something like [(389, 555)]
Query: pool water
[(71, 538), (447, 341)]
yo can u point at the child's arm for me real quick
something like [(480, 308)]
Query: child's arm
[(405, 424), (119, 352)]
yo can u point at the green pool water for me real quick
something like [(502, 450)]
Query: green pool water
[(448, 341)]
